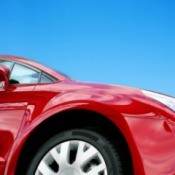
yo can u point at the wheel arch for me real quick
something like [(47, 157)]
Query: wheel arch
[(75, 118)]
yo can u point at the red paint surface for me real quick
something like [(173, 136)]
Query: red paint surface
[(148, 126)]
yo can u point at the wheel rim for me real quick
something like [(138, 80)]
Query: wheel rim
[(73, 157)]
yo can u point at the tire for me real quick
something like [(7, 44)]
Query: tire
[(76, 152)]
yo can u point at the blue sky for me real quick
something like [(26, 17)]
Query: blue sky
[(124, 42)]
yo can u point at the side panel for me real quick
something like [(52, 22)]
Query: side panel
[(155, 139), (13, 103), (11, 115)]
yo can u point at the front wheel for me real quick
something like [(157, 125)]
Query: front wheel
[(76, 152)]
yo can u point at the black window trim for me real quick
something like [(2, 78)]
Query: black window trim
[(41, 72)]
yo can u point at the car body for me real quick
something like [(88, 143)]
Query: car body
[(36, 106)]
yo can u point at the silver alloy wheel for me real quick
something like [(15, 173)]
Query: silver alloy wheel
[(73, 157)]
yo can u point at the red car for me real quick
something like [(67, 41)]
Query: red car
[(52, 125)]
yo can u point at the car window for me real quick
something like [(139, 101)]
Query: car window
[(23, 75), (45, 79), (6, 63)]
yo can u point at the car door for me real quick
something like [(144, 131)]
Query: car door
[(13, 103)]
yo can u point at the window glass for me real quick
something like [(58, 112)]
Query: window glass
[(6, 63), (45, 79), (23, 75)]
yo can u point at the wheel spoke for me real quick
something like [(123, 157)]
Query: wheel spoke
[(45, 169), (80, 150), (55, 155), (64, 153), (98, 169), (86, 156)]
